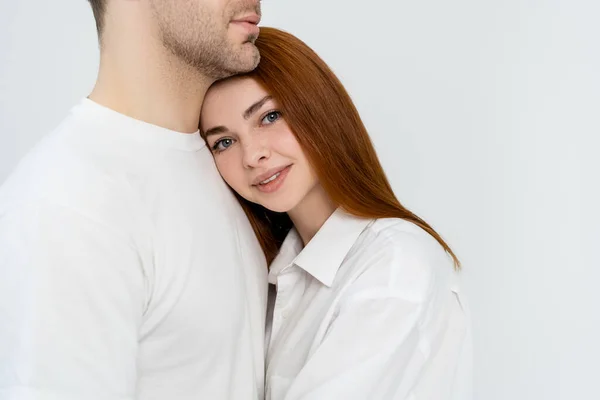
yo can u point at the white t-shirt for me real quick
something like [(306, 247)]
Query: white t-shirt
[(127, 269), (369, 309)]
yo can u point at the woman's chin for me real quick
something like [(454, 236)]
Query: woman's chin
[(277, 207)]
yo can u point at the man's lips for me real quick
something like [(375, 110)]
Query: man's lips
[(249, 23), (253, 19)]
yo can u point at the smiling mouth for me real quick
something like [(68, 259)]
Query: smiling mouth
[(273, 182), (271, 179)]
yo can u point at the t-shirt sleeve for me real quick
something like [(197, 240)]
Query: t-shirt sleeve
[(71, 302)]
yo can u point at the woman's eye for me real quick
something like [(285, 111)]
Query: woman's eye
[(271, 117), (222, 144)]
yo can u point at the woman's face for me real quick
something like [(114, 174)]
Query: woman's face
[(254, 149)]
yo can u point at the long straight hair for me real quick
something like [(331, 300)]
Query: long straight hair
[(329, 129)]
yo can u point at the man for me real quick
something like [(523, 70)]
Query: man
[(127, 269)]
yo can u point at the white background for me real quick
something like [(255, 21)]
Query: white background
[(486, 115)]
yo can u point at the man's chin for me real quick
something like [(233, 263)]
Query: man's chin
[(249, 57), (244, 59)]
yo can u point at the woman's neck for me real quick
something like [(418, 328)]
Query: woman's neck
[(312, 212)]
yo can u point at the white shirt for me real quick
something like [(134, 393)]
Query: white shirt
[(369, 309), (127, 269)]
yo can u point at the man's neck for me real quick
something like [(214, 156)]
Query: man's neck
[(139, 78)]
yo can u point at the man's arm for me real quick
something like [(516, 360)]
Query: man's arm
[(71, 303)]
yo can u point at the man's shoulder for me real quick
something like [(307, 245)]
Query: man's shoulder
[(66, 171)]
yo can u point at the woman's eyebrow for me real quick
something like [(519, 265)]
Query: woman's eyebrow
[(216, 130), (256, 106), (247, 114)]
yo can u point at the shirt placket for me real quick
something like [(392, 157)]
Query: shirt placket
[(288, 296)]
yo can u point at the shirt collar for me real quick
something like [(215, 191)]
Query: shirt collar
[(289, 250), (324, 254)]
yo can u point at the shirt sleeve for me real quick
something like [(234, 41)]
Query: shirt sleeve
[(374, 347), (370, 352), (71, 302)]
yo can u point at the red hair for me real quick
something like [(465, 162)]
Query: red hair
[(329, 129)]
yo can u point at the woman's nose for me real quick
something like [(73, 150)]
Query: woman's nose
[(255, 153)]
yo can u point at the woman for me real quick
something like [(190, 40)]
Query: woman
[(367, 305)]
